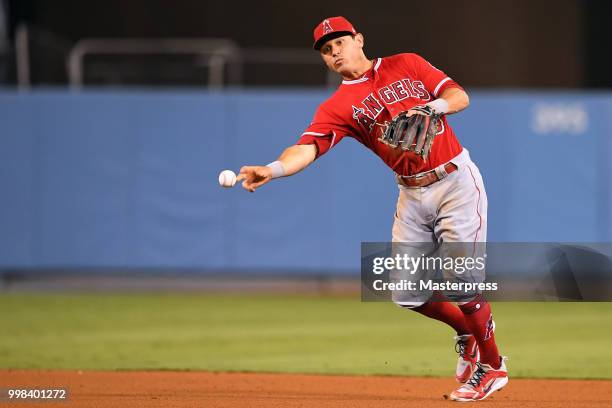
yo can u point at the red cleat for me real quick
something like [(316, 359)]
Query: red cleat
[(483, 383), (467, 348)]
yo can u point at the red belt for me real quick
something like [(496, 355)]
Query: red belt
[(424, 179)]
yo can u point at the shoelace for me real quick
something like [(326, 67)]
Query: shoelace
[(477, 376), (460, 345)]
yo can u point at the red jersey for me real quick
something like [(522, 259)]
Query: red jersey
[(361, 108)]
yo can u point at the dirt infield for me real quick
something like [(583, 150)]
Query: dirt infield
[(203, 389)]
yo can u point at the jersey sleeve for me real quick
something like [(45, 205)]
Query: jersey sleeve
[(324, 132), (435, 80)]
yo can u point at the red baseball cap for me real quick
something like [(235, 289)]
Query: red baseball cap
[(330, 28)]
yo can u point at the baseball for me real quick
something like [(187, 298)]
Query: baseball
[(227, 178)]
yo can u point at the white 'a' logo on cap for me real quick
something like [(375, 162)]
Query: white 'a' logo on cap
[(327, 28)]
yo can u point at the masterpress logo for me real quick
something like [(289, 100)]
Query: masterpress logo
[(559, 118)]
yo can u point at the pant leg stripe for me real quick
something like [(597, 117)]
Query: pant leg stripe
[(477, 209)]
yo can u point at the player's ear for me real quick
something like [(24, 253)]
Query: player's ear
[(359, 39)]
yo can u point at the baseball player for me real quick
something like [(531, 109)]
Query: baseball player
[(441, 192)]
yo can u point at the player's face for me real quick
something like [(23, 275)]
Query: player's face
[(343, 54)]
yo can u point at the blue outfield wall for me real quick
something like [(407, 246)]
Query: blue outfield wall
[(129, 178)]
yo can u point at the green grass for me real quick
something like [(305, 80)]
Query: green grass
[(332, 335)]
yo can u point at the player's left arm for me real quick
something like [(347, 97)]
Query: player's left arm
[(456, 98), (452, 100), (449, 96)]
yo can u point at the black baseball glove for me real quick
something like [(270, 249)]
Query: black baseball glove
[(413, 133)]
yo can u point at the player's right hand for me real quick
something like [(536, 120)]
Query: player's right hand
[(254, 176)]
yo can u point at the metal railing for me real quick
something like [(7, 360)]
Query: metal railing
[(215, 53), (225, 60), (22, 57)]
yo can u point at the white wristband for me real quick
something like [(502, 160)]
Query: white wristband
[(440, 106), (278, 170)]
